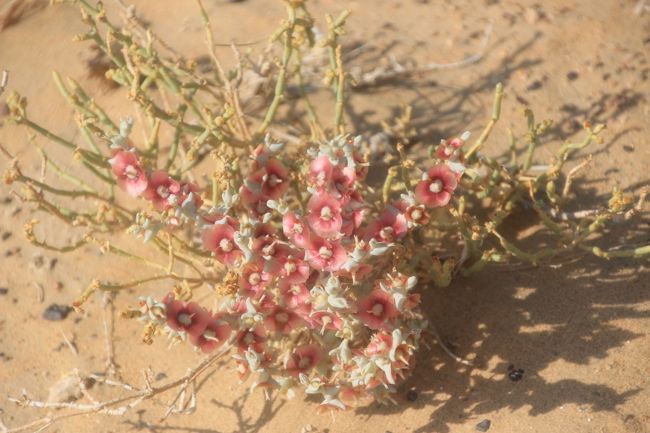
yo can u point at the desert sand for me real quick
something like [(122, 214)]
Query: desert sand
[(579, 332)]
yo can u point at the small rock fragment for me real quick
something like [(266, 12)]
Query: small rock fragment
[(483, 426), (56, 312), (572, 75), (4, 290), (516, 374), (412, 395)]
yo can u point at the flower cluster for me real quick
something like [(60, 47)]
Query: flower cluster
[(322, 299)]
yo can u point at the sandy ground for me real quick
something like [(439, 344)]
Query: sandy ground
[(579, 332)]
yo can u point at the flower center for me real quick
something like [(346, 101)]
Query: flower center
[(185, 319), (325, 253), (416, 214), (225, 245), (209, 334), (295, 289), (377, 310), (268, 250), (297, 228), (326, 213), (130, 172), (254, 278), (435, 186), (304, 362), (386, 233), (249, 338), (290, 267), (274, 180), (282, 317), (162, 191)]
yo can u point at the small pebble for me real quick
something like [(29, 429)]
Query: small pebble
[(4, 290), (161, 376), (483, 426), (411, 395), (572, 75), (56, 312), (535, 85), (516, 374), (6, 235)]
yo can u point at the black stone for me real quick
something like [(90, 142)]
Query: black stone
[(572, 75), (56, 312), (4, 290), (483, 426), (535, 85), (516, 375), (411, 395)]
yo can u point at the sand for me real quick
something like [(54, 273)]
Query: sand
[(579, 332)]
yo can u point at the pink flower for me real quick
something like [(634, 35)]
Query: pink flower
[(294, 294), (252, 338), (185, 190), (282, 320), (295, 229), (436, 189), (390, 226), (128, 173), (303, 359), (215, 334), (325, 255), (272, 179), (416, 214), (295, 271), (254, 280), (325, 320), (320, 171), (191, 317), (219, 239), (447, 148), (324, 214), (161, 190), (377, 309), (344, 178)]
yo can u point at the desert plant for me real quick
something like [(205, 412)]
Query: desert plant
[(315, 274)]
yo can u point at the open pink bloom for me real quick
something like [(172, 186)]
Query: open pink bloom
[(324, 214), (295, 271), (215, 334), (390, 226), (303, 359), (325, 255), (376, 310), (188, 317), (251, 195), (416, 214), (273, 252), (325, 320), (447, 148), (128, 173), (254, 280), (162, 191), (273, 179), (253, 338), (295, 229), (380, 344), (436, 189), (343, 178), (294, 294), (282, 320), (219, 239), (320, 171)]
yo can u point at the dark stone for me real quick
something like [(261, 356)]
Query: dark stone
[(535, 85), (56, 312), (4, 290), (6, 235), (411, 395), (516, 374), (483, 426), (572, 75)]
